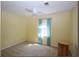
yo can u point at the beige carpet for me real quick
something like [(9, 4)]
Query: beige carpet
[(29, 50)]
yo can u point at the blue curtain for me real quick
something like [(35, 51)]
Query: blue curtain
[(49, 31), (39, 31)]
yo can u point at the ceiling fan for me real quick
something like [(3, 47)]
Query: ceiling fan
[(34, 11)]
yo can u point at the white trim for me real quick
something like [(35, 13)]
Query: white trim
[(11, 45)]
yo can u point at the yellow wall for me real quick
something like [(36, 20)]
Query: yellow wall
[(74, 31), (0, 28), (32, 29), (61, 27), (13, 29)]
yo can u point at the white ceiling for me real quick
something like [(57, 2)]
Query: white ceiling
[(19, 7)]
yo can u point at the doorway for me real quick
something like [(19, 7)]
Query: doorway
[(44, 31)]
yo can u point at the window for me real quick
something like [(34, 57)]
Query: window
[(43, 28), (44, 31)]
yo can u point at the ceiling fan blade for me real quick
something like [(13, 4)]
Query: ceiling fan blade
[(34, 12), (28, 10)]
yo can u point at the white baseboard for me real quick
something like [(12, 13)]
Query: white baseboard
[(11, 45), (26, 41), (7, 47)]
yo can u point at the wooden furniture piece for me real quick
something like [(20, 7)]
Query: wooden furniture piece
[(63, 49)]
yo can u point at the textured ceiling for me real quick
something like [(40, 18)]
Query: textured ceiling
[(19, 7)]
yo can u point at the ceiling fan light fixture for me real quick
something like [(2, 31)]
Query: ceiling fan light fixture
[(34, 11), (46, 3)]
